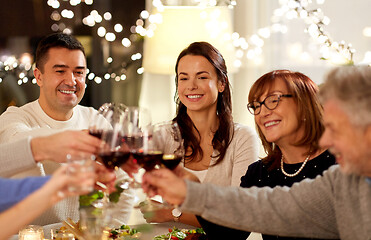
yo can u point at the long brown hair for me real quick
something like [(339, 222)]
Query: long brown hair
[(224, 133), (310, 111)]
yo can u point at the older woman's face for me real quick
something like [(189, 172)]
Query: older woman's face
[(280, 125)]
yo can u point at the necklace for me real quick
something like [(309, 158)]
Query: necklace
[(297, 172)]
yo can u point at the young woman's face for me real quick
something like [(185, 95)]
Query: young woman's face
[(280, 125), (198, 84)]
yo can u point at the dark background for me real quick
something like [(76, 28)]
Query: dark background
[(24, 22)]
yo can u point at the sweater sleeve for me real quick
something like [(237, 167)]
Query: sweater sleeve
[(16, 157), (21, 122), (12, 122), (304, 210), (13, 191), (246, 149)]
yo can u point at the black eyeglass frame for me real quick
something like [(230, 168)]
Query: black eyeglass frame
[(251, 108)]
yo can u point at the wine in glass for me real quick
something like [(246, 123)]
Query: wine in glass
[(162, 147), (106, 117), (113, 152), (136, 124), (168, 138)]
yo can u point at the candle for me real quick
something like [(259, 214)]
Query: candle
[(31, 232)]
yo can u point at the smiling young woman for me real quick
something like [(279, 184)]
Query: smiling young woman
[(218, 150)]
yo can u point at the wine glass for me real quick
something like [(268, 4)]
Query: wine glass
[(95, 223), (162, 147), (168, 138), (112, 151), (106, 117), (136, 123)]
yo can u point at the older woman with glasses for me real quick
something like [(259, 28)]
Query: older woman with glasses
[(288, 117)]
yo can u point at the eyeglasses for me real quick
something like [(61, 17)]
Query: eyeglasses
[(270, 102)]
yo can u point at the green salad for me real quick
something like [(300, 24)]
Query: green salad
[(178, 234), (124, 232)]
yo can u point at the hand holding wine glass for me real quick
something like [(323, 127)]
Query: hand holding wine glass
[(137, 119), (168, 138), (165, 150), (112, 151)]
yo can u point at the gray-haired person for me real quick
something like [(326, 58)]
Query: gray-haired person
[(336, 205)]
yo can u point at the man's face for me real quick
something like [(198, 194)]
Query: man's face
[(62, 82), (350, 144)]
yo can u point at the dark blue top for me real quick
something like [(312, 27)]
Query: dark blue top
[(258, 174), (13, 191)]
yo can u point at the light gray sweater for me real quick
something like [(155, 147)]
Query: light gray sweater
[(333, 206)]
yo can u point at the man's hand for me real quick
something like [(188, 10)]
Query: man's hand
[(56, 147), (166, 184), (183, 173)]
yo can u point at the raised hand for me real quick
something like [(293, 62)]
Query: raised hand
[(57, 187), (55, 147), (165, 183), (183, 173)]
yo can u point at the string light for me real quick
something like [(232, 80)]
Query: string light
[(249, 47)]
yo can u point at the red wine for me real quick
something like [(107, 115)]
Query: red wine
[(134, 142), (114, 158), (148, 160), (96, 133), (171, 161)]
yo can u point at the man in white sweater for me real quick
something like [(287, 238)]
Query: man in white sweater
[(54, 118), (335, 205)]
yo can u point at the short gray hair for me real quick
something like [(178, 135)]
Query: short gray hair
[(351, 85)]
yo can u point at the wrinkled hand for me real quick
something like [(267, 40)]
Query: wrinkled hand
[(183, 173), (55, 147), (165, 183)]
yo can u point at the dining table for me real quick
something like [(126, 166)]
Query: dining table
[(136, 220)]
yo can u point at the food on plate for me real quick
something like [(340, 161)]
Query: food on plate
[(124, 231), (183, 234)]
